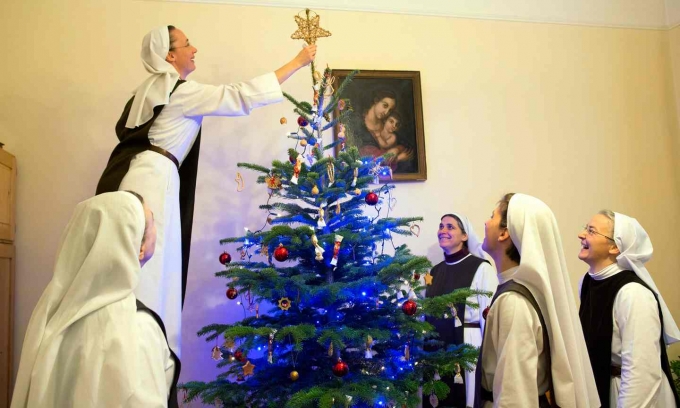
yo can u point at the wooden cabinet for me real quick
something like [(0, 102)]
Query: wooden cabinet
[(7, 230)]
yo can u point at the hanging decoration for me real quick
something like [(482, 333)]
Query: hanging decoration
[(248, 368), (336, 249), (369, 343), (409, 307), (240, 183), (428, 279), (281, 253), (217, 354), (321, 223), (273, 182), (318, 249), (297, 167), (225, 258), (340, 368), (330, 170), (232, 293), (284, 303)]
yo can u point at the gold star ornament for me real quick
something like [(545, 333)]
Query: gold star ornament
[(428, 278), (229, 344), (248, 368), (308, 28)]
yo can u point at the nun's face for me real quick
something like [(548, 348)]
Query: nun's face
[(149, 242), (597, 246), (450, 236), (492, 232), (181, 54)]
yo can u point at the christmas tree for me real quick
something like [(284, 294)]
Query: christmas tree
[(345, 325)]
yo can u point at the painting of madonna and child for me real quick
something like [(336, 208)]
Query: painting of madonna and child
[(387, 117)]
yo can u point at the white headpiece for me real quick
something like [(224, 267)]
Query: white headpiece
[(636, 249), (543, 270), (81, 330), (473, 243), (155, 90)]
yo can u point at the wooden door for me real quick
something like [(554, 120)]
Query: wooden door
[(6, 320)]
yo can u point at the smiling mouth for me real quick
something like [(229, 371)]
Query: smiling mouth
[(584, 245)]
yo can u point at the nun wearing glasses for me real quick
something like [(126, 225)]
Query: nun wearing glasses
[(625, 320)]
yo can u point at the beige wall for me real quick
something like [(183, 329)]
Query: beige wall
[(582, 117)]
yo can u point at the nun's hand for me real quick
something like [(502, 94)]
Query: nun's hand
[(306, 56)]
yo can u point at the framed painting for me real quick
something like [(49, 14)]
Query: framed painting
[(387, 119)]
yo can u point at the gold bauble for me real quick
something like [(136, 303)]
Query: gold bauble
[(294, 375)]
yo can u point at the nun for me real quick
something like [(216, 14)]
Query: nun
[(464, 266), (626, 322), (533, 353), (159, 133), (90, 342)]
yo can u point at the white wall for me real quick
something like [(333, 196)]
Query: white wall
[(582, 117)]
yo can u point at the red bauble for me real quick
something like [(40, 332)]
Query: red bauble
[(371, 198), (232, 293), (238, 355), (281, 253), (340, 369), (302, 121), (225, 258), (416, 276), (485, 312), (409, 307)]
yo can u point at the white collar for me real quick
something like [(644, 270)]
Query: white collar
[(506, 275), (606, 272), (458, 261)]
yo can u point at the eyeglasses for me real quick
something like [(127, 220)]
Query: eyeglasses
[(176, 48), (591, 231)]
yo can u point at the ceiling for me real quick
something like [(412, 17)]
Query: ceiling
[(643, 14)]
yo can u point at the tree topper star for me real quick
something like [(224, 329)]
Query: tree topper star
[(308, 29)]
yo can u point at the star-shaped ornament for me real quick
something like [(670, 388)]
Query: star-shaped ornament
[(248, 368), (229, 344), (308, 29), (428, 278), (284, 303)]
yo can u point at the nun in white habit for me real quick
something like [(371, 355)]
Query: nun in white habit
[(464, 266), (88, 343), (158, 153), (533, 342), (626, 322)]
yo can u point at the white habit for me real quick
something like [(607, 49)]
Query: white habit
[(156, 179), (86, 345)]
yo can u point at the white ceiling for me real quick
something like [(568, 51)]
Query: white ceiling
[(647, 14)]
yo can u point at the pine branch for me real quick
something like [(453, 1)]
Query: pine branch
[(255, 167)]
